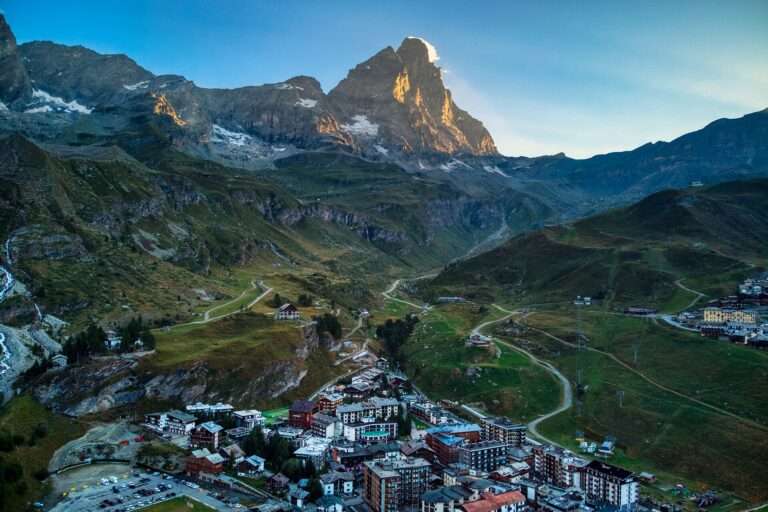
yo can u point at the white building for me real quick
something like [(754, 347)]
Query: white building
[(287, 312), (249, 418), (608, 484)]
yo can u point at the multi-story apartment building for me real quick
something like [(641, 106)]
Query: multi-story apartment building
[(502, 429), (175, 423), (611, 485), (445, 446), (300, 414), (370, 432), (328, 402), (446, 439), (250, 418), (558, 467), (389, 486), (714, 315), (482, 457), (375, 408), (179, 423), (206, 435), (326, 426)]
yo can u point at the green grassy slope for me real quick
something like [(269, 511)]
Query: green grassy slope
[(629, 255)]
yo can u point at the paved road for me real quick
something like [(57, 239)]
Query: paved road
[(91, 498), (566, 398)]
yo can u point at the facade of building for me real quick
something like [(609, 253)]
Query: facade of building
[(175, 423), (206, 435), (287, 312), (328, 402), (390, 486), (375, 408), (300, 414), (371, 432), (249, 418), (501, 429), (178, 423), (203, 461), (608, 484), (338, 483), (713, 315), (326, 426), (558, 467), (482, 457)]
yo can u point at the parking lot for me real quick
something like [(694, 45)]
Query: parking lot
[(135, 491)]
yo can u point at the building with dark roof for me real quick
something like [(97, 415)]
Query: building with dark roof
[(502, 429), (482, 457), (390, 485), (608, 484), (300, 414)]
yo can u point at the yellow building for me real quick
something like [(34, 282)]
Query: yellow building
[(721, 315)]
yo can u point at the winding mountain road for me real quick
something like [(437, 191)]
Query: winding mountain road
[(207, 318), (699, 295), (566, 398), (393, 287)]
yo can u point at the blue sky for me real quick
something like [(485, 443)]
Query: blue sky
[(544, 76)]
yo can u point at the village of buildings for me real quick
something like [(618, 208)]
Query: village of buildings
[(738, 318), (350, 434)]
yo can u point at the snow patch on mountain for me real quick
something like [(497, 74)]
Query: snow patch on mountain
[(3, 108), (493, 169), (454, 164), (287, 87), (306, 103), (49, 103), (361, 126), (381, 149), (224, 136), (139, 85), (431, 50)]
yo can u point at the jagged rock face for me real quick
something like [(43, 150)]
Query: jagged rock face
[(397, 98), (75, 72), (14, 82), (391, 106), (295, 111)]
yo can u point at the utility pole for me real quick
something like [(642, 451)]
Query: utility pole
[(620, 396)]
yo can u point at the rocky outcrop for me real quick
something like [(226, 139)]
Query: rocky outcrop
[(15, 86), (394, 102), (397, 101)]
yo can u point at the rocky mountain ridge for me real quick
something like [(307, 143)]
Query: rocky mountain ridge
[(257, 123)]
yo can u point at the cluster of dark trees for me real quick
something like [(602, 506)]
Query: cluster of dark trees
[(276, 301), (394, 334), (90, 341), (135, 330), (86, 342), (278, 454), (12, 473), (305, 300), (327, 323)]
